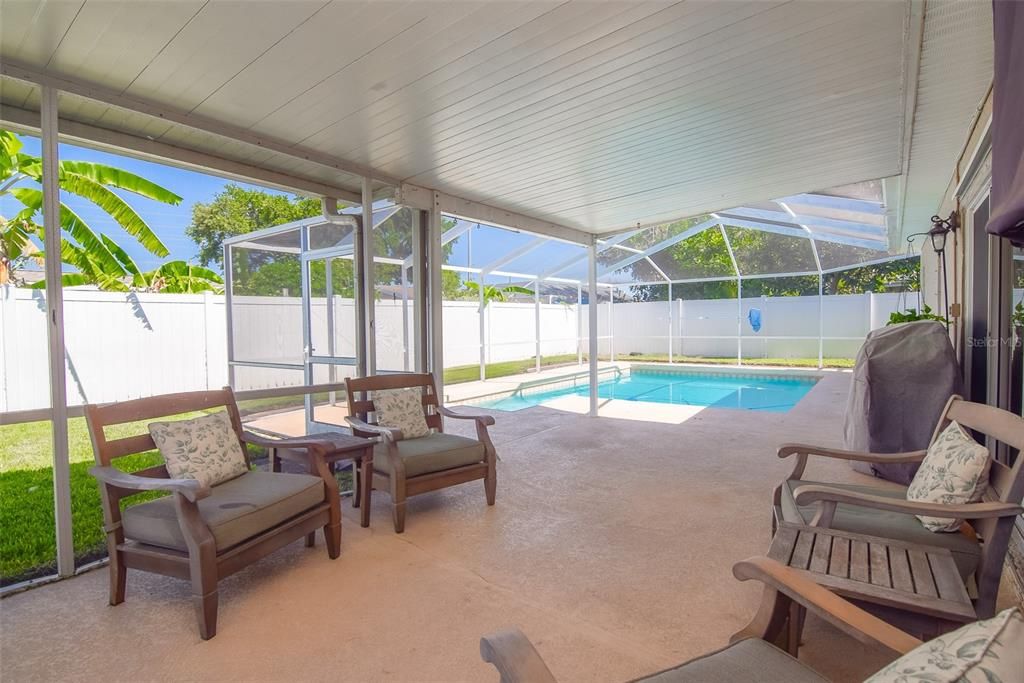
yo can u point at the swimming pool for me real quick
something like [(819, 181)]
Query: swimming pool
[(767, 393)]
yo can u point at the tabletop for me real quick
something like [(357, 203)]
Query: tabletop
[(918, 578)]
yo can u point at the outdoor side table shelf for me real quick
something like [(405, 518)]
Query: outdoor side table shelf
[(916, 578), (338, 446)]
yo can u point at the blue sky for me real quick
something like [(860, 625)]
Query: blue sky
[(169, 222)]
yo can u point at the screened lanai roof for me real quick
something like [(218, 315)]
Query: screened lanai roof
[(805, 234)]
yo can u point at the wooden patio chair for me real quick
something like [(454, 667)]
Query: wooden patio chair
[(407, 467), (199, 533), (756, 653), (979, 549)]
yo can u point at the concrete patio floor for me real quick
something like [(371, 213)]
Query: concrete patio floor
[(610, 545)]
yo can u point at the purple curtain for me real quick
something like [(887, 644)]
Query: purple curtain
[(1007, 218)]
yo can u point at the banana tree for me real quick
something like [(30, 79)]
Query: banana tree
[(499, 294), (96, 258)]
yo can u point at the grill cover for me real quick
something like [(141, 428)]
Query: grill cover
[(903, 376)]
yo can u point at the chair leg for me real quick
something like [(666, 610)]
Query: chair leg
[(118, 578), (398, 515), (332, 534), (491, 486), (204, 590), (357, 488), (364, 490), (311, 539)]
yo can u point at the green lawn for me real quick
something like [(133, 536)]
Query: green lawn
[(27, 544)]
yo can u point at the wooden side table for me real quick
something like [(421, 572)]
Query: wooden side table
[(338, 446), (914, 578)]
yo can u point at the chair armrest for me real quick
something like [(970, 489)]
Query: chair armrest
[(480, 419), (191, 489), (801, 451), (841, 613), (515, 657), (814, 493), (388, 433)]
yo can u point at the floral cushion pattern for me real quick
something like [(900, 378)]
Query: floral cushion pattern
[(955, 471), (990, 651), (204, 448), (401, 409)]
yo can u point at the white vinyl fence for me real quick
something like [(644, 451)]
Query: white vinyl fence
[(122, 346)]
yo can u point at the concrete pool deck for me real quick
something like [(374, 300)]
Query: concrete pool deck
[(611, 545)]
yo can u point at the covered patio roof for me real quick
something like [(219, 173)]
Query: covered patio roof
[(572, 117)]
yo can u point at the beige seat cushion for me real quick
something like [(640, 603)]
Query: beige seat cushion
[(894, 525), (751, 659), (236, 510), (433, 453)]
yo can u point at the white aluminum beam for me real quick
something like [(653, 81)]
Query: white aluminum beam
[(55, 335), (513, 255), (114, 98), (592, 323), (602, 245), (839, 203), (435, 259), (85, 135), (795, 231), (839, 227), (368, 314), (654, 249), (476, 212)]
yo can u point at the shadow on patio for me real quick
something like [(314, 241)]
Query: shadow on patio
[(611, 545)]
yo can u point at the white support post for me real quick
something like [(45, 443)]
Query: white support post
[(55, 334), (420, 229), (670, 322), (332, 370), (229, 283), (682, 330), (739, 321), (434, 263), (611, 324), (821, 321), (369, 292), (592, 315), (739, 296), (483, 327), (405, 318), (536, 323), (579, 323)]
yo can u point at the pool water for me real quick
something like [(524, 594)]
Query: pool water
[(764, 393)]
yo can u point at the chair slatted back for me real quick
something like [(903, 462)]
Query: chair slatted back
[(360, 395), (100, 417), (1006, 484)]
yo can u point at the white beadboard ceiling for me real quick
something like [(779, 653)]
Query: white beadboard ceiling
[(591, 115)]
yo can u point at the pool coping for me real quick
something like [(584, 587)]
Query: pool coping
[(766, 372)]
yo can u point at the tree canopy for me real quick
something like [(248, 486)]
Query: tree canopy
[(706, 255)]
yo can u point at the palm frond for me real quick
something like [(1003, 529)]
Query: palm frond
[(74, 226), (119, 209), (121, 179)]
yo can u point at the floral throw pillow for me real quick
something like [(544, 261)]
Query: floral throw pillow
[(401, 409), (954, 471), (204, 448), (990, 651)]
